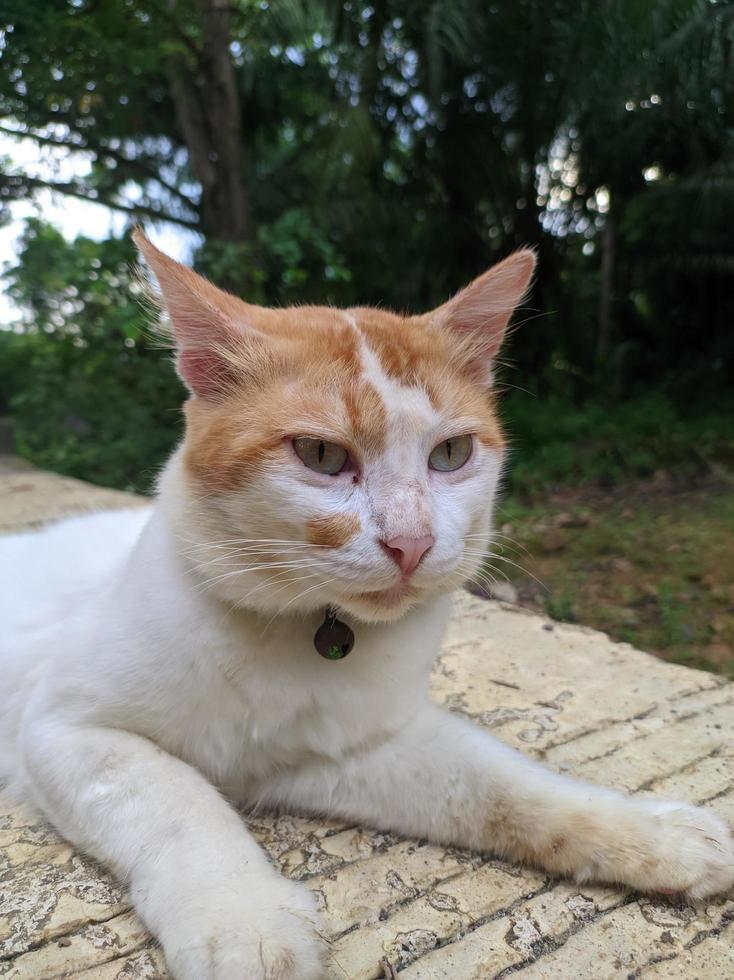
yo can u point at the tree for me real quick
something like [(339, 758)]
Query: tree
[(91, 77), (151, 91), (90, 397), (387, 152), (660, 142)]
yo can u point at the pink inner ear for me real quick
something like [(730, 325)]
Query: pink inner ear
[(480, 312), (205, 372)]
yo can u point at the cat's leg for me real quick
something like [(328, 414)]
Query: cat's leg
[(197, 877), (447, 780)]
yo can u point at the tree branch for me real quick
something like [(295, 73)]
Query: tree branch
[(167, 12), (102, 150), (44, 140), (74, 190)]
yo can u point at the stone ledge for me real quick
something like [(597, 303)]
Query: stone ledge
[(30, 497), (561, 693)]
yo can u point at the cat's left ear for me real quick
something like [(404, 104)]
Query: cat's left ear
[(478, 315)]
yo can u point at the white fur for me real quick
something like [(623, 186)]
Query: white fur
[(141, 692)]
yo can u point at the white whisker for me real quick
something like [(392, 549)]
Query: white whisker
[(290, 566), (297, 597)]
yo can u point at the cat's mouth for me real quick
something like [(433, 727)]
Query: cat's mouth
[(396, 594)]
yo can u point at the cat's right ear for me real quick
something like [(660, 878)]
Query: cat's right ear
[(478, 315), (209, 326)]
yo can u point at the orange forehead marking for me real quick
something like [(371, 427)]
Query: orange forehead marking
[(333, 531), (404, 349), (367, 416), (417, 356), (311, 336)]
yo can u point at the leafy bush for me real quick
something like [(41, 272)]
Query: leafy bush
[(90, 396), (93, 398), (555, 442)]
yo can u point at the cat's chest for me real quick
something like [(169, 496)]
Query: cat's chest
[(285, 705), (244, 735)]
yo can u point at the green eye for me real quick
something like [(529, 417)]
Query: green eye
[(451, 454), (320, 455)]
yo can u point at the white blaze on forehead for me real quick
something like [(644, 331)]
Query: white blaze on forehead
[(409, 411), (349, 319), (398, 480)]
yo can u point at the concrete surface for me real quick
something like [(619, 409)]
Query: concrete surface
[(564, 694)]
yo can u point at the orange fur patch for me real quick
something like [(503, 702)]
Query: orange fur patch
[(367, 416), (333, 531), (222, 451), (306, 378), (405, 348)]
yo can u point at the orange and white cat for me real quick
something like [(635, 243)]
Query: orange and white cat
[(159, 664)]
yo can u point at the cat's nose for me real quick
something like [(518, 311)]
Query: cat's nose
[(407, 552)]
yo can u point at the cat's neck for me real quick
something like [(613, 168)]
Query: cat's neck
[(281, 644)]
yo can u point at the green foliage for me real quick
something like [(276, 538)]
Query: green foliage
[(292, 261), (303, 263), (14, 359), (387, 153), (94, 76), (91, 397), (555, 443), (394, 150)]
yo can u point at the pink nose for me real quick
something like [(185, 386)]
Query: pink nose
[(407, 552)]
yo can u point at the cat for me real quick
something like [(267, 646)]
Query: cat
[(338, 470)]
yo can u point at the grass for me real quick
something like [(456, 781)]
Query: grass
[(647, 561), (624, 512)]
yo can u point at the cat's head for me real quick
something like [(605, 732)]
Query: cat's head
[(336, 457)]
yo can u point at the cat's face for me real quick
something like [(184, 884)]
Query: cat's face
[(337, 457)]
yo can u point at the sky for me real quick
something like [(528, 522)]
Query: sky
[(71, 216)]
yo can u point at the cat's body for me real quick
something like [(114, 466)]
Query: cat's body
[(261, 700), (48, 579), (156, 662)]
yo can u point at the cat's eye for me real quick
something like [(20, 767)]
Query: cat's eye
[(451, 454), (320, 455)]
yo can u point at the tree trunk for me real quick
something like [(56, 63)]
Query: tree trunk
[(606, 292), (208, 114)]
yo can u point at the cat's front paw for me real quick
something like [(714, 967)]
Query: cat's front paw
[(667, 847), (268, 934), (693, 854)]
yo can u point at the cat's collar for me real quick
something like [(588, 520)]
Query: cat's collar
[(333, 639)]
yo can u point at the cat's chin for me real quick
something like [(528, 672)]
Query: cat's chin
[(384, 605), (387, 605), (368, 610)]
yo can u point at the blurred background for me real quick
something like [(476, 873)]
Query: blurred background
[(386, 152)]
